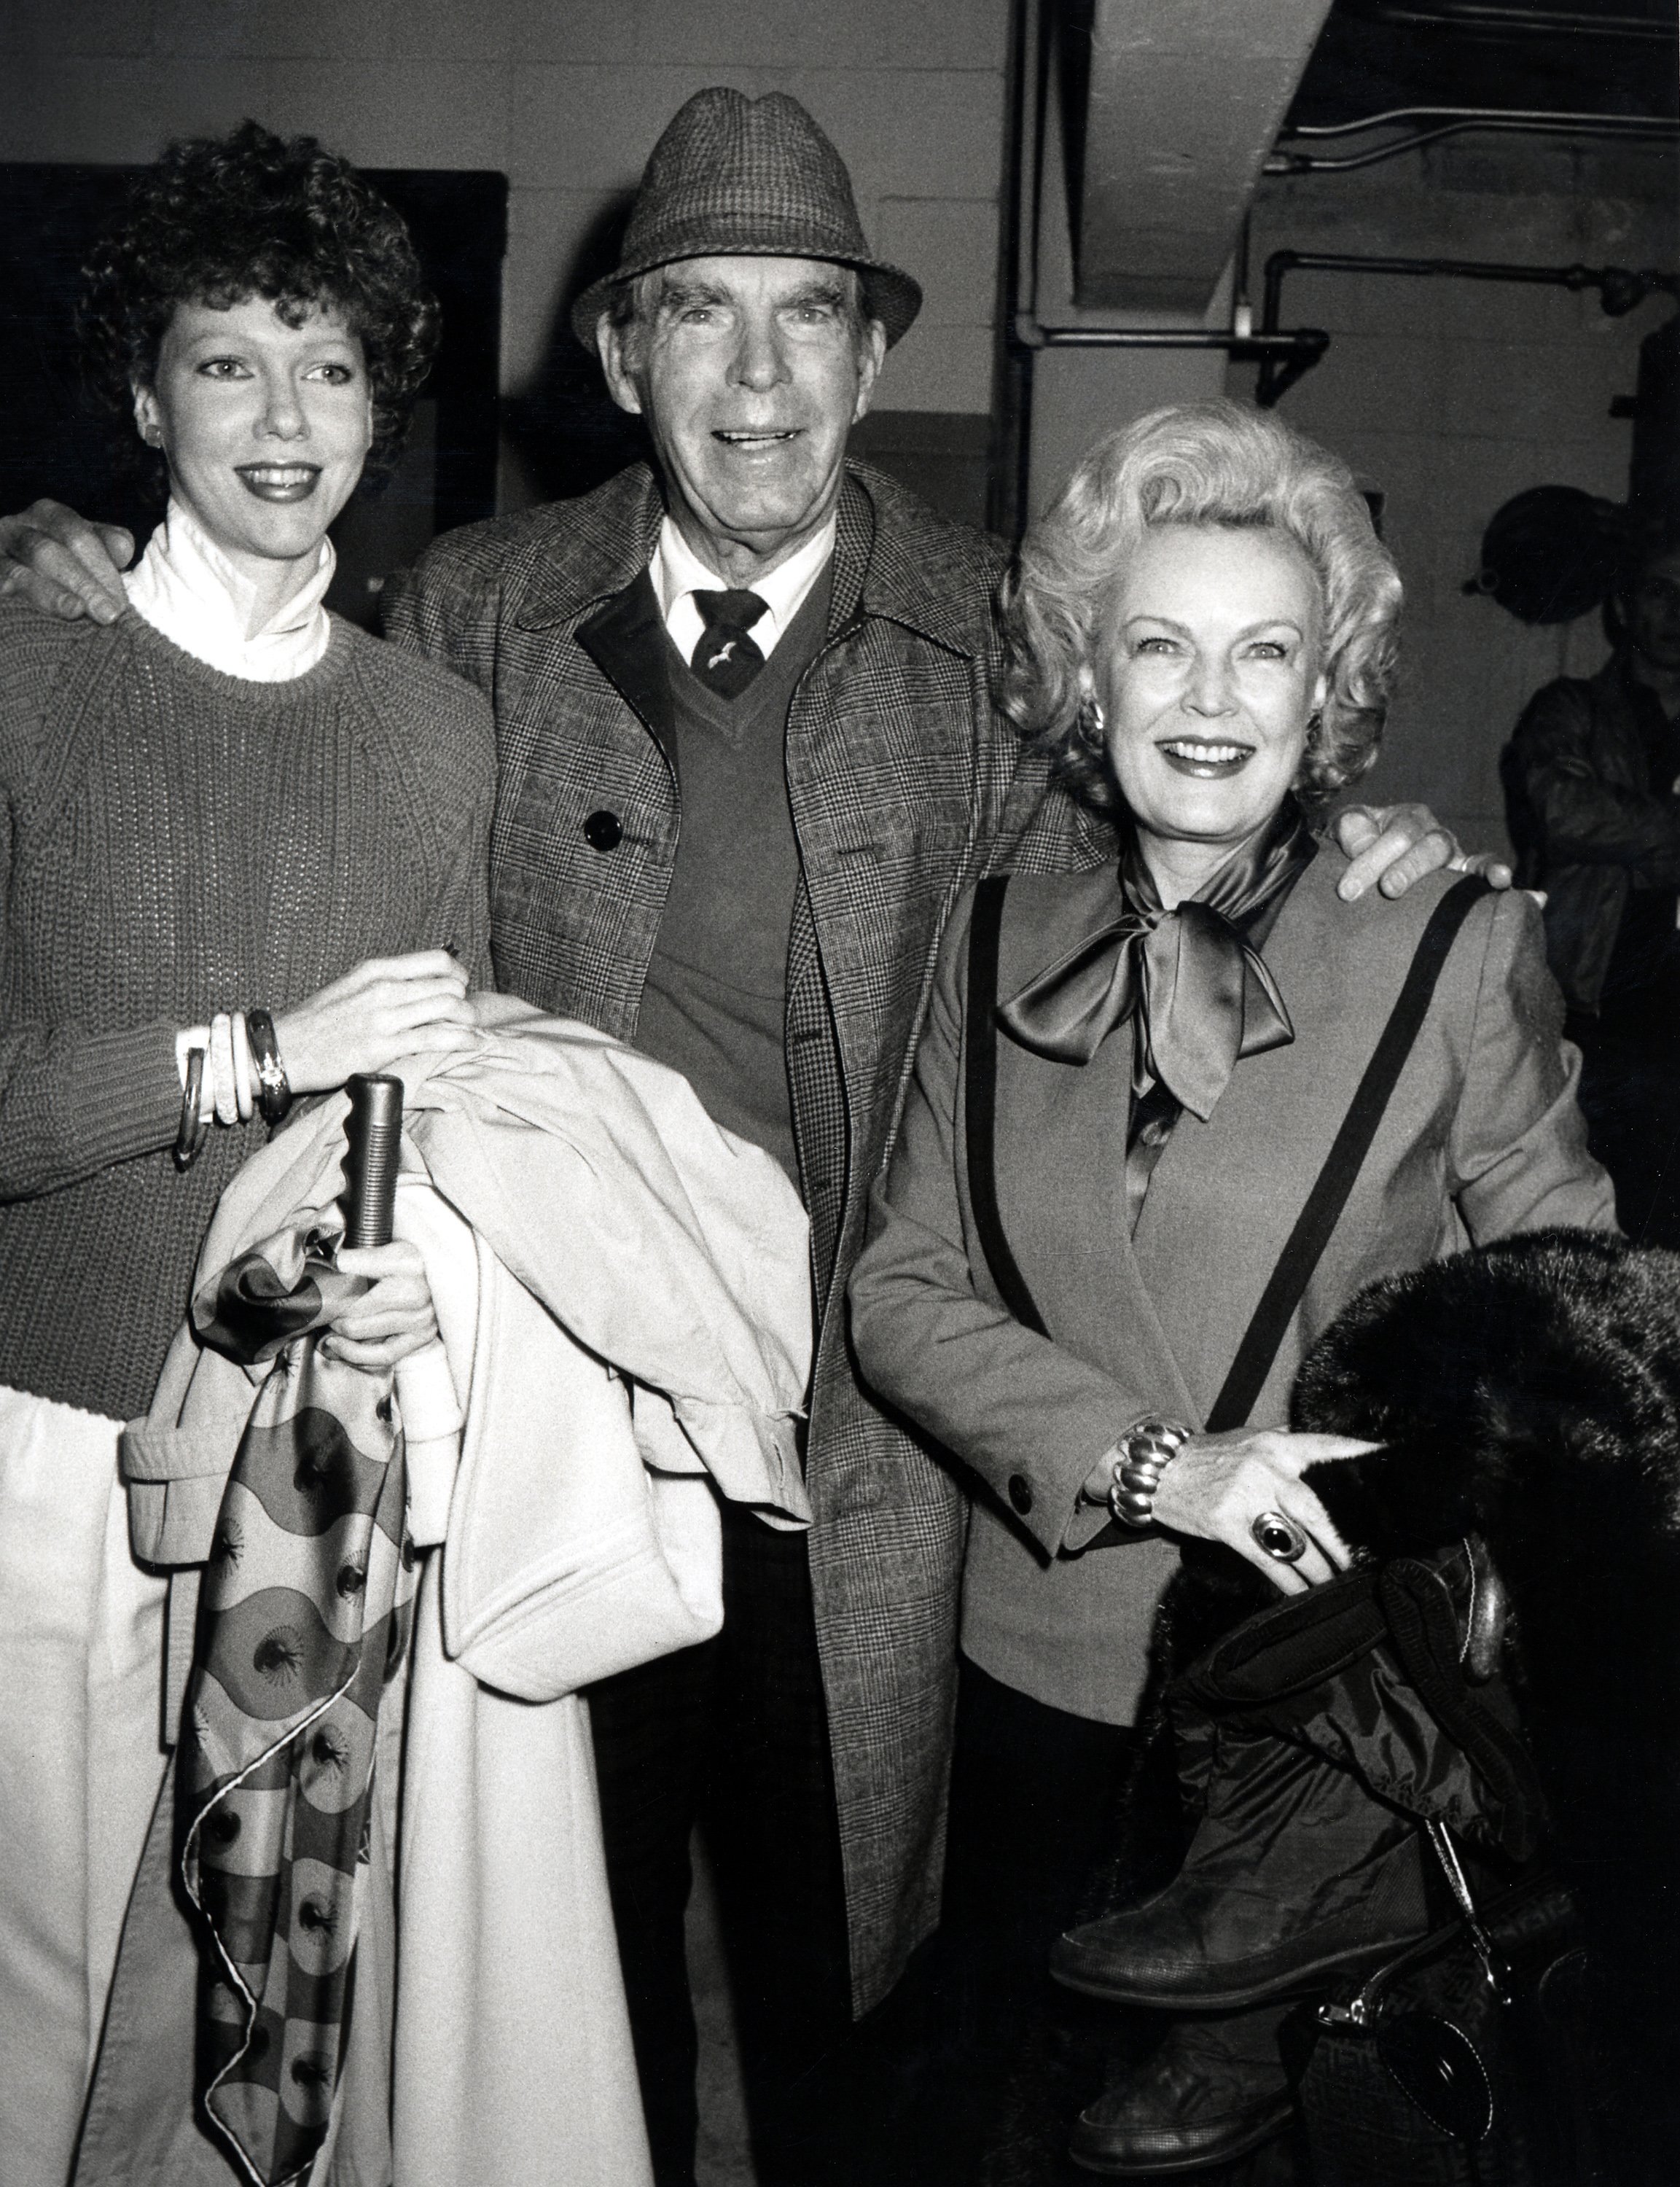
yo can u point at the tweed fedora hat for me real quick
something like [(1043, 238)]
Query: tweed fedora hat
[(734, 176)]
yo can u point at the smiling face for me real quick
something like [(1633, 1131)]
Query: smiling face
[(1208, 671), (266, 426), (750, 372)]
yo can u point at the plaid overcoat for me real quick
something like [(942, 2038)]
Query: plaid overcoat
[(902, 785)]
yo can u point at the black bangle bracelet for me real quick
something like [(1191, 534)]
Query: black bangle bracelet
[(190, 1134), (274, 1089)]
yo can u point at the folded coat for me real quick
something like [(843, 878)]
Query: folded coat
[(623, 1298)]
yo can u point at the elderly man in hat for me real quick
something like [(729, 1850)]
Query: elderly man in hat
[(747, 760)]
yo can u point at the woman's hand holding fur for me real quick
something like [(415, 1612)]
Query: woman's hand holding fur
[(1219, 1485)]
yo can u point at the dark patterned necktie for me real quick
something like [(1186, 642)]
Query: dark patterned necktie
[(725, 659)]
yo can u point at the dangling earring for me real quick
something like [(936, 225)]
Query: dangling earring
[(1088, 724)]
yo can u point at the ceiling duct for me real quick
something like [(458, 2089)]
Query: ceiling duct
[(1186, 99)]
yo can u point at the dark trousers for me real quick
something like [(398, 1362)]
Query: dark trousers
[(732, 1737), (1036, 1811)]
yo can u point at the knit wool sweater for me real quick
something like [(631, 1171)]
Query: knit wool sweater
[(175, 841)]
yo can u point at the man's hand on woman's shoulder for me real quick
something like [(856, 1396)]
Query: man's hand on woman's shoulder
[(62, 564), (1392, 846)]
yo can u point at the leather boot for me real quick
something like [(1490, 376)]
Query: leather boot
[(1216, 2089), (1295, 1874)]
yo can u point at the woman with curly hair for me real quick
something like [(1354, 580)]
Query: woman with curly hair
[(1129, 1080), (243, 855)]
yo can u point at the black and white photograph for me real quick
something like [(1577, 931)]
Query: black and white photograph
[(840, 1093)]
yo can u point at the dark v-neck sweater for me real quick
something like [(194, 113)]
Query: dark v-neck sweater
[(714, 1002)]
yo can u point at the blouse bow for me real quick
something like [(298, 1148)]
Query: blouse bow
[(1203, 995)]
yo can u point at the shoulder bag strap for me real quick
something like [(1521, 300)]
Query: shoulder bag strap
[(979, 1100), (1318, 1219)]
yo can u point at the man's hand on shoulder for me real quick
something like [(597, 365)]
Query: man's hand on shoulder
[(1392, 846), (64, 565)]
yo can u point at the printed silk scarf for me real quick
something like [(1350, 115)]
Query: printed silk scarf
[(303, 1619)]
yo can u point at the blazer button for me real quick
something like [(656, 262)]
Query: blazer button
[(603, 831), (1020, 1493)]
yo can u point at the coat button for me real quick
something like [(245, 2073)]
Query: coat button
[(1020, 1493), (603, 831)]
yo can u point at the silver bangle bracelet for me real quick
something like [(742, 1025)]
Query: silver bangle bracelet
[(1143, 1454)]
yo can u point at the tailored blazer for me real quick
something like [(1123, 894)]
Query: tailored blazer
[(1482, 1138), (901, 782)]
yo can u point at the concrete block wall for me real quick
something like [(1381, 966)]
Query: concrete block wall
[(567, 98), (1451, 396)]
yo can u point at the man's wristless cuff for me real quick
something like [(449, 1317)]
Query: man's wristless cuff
[(1141, 1455)]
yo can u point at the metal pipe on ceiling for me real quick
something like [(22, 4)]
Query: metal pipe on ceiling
[(1619, 291), (1625, 128), (1475, 15), (1030, 90), (1283, 356), (1552, 117), (1246, 348), (1024, 336)]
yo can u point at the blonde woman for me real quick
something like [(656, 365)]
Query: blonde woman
[(1158, 1053)]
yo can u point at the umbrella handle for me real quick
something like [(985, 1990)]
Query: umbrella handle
[(374, 1132)]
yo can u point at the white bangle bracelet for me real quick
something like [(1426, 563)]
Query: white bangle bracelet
[(220, 1062), (244, 1073)]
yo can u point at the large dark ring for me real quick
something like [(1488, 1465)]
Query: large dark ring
[(1280, 1538)]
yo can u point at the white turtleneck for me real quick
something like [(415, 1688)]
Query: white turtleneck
[(184, 586)]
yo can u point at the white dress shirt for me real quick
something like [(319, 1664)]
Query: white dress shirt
[(184, 586), (678, 573)]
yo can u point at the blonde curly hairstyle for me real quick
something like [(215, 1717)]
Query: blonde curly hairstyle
[(1214, 463)]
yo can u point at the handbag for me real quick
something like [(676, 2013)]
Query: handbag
[(1462, 2060)]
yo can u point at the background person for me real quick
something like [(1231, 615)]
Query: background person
[(1203, 635), (222, 801), (747, 874), (1593, 798)]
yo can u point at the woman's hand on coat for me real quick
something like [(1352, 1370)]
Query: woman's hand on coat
[(385, 1009), (392, 1318), (1219, 1485)]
